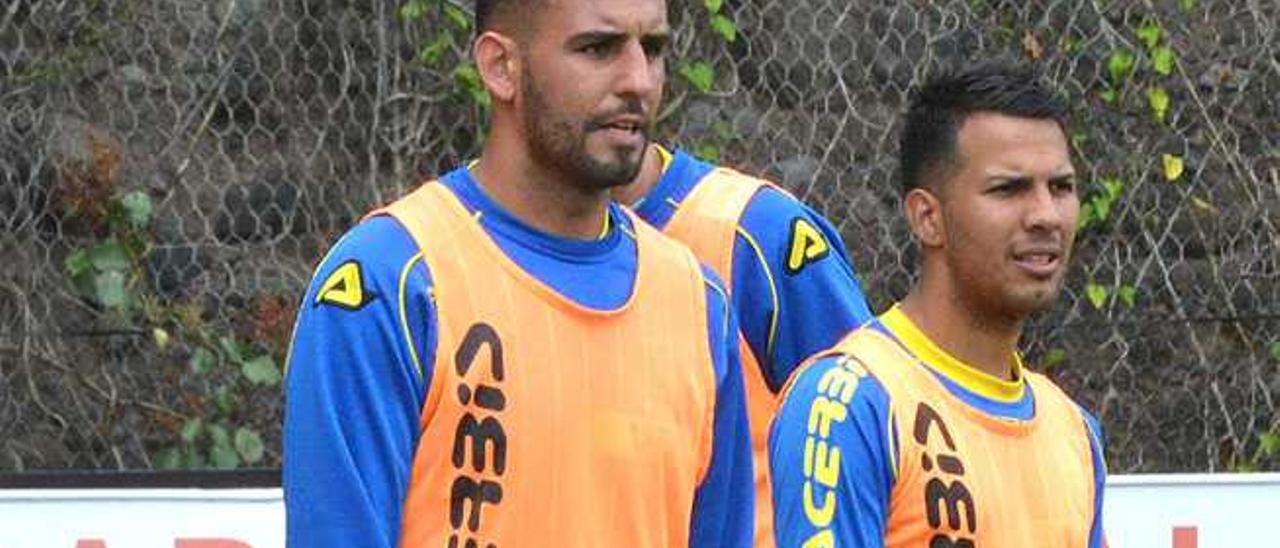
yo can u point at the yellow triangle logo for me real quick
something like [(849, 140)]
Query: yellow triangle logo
[(807, 245), (343, 288)]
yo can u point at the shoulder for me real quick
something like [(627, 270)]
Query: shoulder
[(370, 259), (835, 379)]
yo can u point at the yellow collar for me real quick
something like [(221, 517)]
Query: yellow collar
[(965, 375)]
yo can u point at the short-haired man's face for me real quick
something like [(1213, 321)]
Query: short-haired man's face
[(591, 86), (1009, 213)]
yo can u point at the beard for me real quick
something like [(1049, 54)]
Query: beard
[(561, 143)]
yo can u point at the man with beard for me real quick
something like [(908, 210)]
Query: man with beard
[(923, 428), (788, 273), (505, 357)]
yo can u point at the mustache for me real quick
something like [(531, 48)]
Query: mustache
[(631, 106)]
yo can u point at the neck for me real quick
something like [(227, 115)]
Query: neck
[(538, 195), (982, 341), (650, 172)]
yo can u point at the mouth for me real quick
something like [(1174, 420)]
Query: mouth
[(627, 131), (1039, 263)]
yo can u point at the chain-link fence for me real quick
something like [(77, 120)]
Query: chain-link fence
[(170, 172)]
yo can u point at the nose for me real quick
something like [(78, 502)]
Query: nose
[(1045, 211), (640, 74)]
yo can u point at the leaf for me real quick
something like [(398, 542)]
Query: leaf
[(191, 430), (233, 348), (1113, 186), (109, 290), (138, 208), (1150, 35), (1087, 215), (1187, 5), (1275, 351), (699, 74), (1054, 358), (169, 459), (77, 263), (1031, 45), (1159, 100), (431, 53), (109, 255), (218, 435), (708, 152), (724, 27), (161, 337), (1268, 444), (1101, 207), (202, 361), (1119, 65), (467, 78), (1097, 295), (261, 370), (713, 6), (413, 9), (224, 457), (1128, 295), (1203, 205), (1109, 96), (457, 16), (1173, 166), (249, 445), (1163, 58), (225, 400)]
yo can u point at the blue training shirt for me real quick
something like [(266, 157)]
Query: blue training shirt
[(360, 365), (785, 314)]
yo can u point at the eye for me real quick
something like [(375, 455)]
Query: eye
[(1063, 186), (654, 46)]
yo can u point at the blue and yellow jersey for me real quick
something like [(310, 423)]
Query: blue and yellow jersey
[(889, 441), (364, 385), (792, 283), (789, 277)]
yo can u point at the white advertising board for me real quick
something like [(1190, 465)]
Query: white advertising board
[(1145, 511)]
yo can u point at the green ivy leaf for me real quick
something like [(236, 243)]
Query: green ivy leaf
[(1054, 358), (137, 208), (457, 16), (1109, 96), (225, 400), (431, 53), (109, 255), (218, 435), (708, 152), (249, 445), (1150, 35), (261, 370), (725, 27), (224, 457), (713, 6), (1097, 295), (1187, 5), (77, 263), (1086, 215), (233, 349), (1128, 295), (169, 459), (699, 74), (1275, 351), (1113, 186), (202, 361), (413, 9), (1119, 65), (467, 77), (191, 430), (1101, 207), (1268, 444), (109, 289), (1163, 58), (1159, 100), (1173, 166)]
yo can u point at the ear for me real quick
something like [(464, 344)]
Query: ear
[(498, 62), (924, 213)]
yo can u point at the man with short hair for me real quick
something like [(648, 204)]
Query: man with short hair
[(788, 273), (923, 428), (506, 357)]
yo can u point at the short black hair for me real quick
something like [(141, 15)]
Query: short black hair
[(940, 106), (489, 12)]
